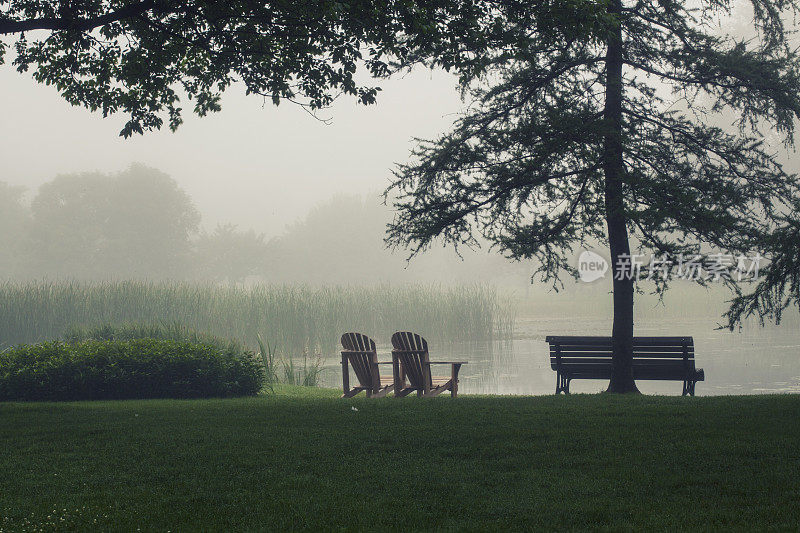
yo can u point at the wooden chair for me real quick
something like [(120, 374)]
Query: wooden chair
[(410, 359), (359, 352)]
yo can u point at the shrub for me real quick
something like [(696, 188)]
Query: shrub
[(121, 369), (172, 331)]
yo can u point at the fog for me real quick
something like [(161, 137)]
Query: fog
[(258, 193), (253, 164)]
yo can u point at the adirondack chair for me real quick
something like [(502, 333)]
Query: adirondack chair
[(410, 359), (359, 353)]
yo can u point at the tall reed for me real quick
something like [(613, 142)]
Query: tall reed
[(293, 317)]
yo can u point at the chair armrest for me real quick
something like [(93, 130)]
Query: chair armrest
[(385, 362), (416, 352)]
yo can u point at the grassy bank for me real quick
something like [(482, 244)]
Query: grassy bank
[(293, 318), (305, 459)]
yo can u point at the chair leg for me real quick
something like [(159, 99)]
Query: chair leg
[(454, 380), (398, 384), (380, 393), (402, 393), (345, 378)]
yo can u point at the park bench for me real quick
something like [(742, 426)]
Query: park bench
[(411, 360), (654, 358), (359, 353)]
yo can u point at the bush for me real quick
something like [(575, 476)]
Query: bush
[(121, 369), (172, 331)]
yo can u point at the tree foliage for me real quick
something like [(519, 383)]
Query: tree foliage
[(525, 167), (140, 57)]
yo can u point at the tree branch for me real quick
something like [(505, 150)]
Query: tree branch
[(54, 23)]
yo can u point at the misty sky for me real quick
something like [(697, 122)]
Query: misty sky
[(252, 164)]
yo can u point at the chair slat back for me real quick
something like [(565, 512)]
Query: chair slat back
[(360, 352), (412, 350)]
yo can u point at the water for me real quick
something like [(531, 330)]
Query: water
[(754, 361)]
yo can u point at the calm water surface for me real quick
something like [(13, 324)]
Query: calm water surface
[(753, 361)]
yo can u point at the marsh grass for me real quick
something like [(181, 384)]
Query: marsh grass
[(296, 318), (307, 374), (268, 361)]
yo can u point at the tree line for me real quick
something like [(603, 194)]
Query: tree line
[(139, 224)]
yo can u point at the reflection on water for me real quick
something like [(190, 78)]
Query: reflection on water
[(753, 361)]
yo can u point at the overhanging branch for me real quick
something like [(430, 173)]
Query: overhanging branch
[(62, 23)]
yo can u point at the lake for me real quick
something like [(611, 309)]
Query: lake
[(754, 360)]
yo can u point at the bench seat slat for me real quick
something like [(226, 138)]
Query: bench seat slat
[(591, 348), (606, 374), (636, 355), (565, 362), (643, 364), (606, 341)]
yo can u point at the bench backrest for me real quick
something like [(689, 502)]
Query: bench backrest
[(363, 358), (653, 357), (412, 351)]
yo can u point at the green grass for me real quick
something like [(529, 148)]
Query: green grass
[(292, 318), (304, 459)]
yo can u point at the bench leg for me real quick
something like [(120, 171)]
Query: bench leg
[(562, 384)]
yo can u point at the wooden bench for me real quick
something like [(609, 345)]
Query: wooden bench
[(654, 358)]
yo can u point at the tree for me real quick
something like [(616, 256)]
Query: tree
[(138, 56), (14, 228), (596, 126), (135, 224), (340, 241), (230, 254)]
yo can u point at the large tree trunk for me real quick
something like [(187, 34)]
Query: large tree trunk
[(613, 167)]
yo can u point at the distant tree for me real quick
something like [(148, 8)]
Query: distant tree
[(595, 127), (14, 229), (340, 241), (134, 224), (228, 254)]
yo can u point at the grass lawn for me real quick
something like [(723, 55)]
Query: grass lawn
[(304, 459)]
